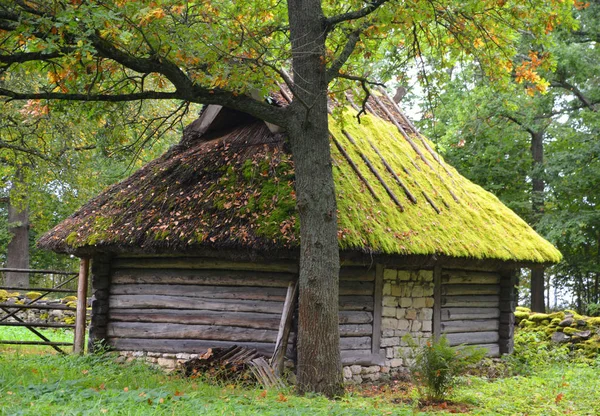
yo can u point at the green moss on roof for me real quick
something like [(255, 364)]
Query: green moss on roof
[(237, 190)]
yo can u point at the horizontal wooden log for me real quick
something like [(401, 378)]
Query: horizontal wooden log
[(455, 314), (493, 350), (202, 263), (355, 343), (357, 273), (471, 338), (355, 317), (182, 331), (356, 303), (202, 277), (356, 330), (457, 290), (460, 277), (197, 317), (192, 346), (213, 292), (356, 288), (361, 357), (472, 325), (491, 301), (175, 302), (49, 343)]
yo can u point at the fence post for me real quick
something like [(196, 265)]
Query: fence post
[(82, 285)]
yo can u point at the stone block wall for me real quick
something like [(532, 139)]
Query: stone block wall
[(407, 308)]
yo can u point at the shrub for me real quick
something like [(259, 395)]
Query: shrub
[(435, 366), (593, 309)]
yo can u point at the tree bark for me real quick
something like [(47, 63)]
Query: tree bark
[(537, 204), (17, 252), (319, 363)]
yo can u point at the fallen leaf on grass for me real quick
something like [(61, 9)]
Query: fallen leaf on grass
[(125, 389), (282, 398), (84, 372), (559, 398)]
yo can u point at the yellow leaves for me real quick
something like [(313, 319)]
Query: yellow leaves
[(478, 43), (219, 82), (580, 5), (527, 73), (153, 14)]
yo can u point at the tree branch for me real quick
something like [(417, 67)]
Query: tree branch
[(153, 95), (365, 11), (338, 62), (18, 58), (576, 92)]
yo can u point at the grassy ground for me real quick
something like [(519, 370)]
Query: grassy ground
[(34, 381), (15, 333), (55, 385)]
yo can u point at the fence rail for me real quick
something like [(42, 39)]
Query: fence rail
[(12, 309)]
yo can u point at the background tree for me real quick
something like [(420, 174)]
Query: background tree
[(212, 53)]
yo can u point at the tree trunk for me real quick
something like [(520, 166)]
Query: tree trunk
[(319, 363), (537, 204), (17, 252)]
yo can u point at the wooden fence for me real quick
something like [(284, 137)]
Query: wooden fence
[(11, 310)]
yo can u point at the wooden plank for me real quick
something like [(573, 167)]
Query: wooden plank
[(53, 306), (355, 343), (473, 338), (357, 273), (356, 288), (193, 346), (493, 350), (284, 328), (38, 325), (437, 301), (5, 269), (471, 325), (461, 277), (452, 314), (215, 292), (37, 289), (355, 317), (356, 303), (175, 302), (199, 263), (473, 289), (198, 317), (359, 330), (471, 301), (361, 357), (202, 277), (49, 343), (181, 331), (80, 314), (377, 309)]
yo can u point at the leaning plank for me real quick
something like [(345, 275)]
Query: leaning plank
[(452, 314), (471, 325), (460, 277), (356, 330), (194, 346), (470, 290), (356, 303), (361, 357), (285, 326), (355, 343), (355, 317), (197, 317), (473, 338), (202, 263), (201, 277), (175, 302), (216, 292), (471, 301), (181, 331)]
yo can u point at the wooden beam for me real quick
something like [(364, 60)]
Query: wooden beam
[(82, 286), (289, 306), (437, 302)]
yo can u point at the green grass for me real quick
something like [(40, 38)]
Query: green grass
[(57, 385), (10, 333)]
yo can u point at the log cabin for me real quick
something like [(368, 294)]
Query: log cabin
[(199, 248)]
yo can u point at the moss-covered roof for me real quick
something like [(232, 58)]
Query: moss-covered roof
[(235, 188)]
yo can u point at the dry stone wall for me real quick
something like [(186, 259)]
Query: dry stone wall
[(407, 309)]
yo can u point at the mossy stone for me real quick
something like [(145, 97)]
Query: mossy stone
[(33, 295), (523, 309), (570, 331), (520, 315)]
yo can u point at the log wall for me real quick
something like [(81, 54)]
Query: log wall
[(175, 305), (470, 308)]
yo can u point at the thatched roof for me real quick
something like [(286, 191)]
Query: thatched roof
[(232, 186)]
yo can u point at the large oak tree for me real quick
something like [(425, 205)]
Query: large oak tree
[(219, 52)]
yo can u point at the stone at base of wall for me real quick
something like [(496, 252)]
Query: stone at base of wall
[(167, 361)]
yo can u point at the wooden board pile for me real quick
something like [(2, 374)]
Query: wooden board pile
[(233, 364)]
